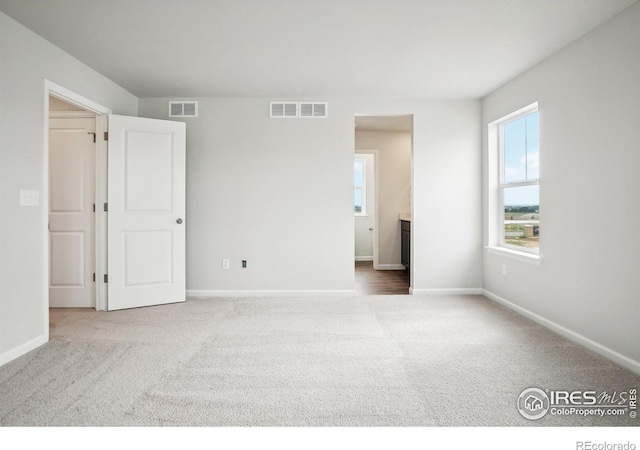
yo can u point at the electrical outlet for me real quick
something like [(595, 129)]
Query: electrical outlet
[(225, 263), (504, 270), (244, 263)]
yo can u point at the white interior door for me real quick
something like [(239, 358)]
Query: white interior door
[(146, 211), (71, 217)]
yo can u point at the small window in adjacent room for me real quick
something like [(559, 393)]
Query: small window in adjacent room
[(359, 181), (519, 184)]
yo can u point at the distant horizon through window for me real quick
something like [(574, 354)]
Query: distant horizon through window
[(519, 184)]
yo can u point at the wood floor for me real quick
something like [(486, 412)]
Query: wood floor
[(380, 282)]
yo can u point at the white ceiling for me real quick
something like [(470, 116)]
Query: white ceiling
[(311, 48)]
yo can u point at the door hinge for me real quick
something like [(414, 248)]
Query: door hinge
[(94, 136), (106, 135), (94, 207), (106, 207), (106, 278), (94, 277)]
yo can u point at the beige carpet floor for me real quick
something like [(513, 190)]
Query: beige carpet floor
[(358, 361)]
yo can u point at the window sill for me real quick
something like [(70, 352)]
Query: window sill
[(528, 258)]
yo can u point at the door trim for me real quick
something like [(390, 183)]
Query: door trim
[(100, 112)]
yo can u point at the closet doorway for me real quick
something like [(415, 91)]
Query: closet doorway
[(72, 187)]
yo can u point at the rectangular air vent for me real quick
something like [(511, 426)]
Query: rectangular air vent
[(183, 109), (283, 109), (313, 109)]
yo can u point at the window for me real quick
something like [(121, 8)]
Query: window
[(359, 180), (519, 185)]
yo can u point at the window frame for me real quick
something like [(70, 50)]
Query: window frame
[(502, 185), (363, 188)]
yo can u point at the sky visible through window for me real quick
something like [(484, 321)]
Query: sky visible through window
[(521, 192), (521, 159)]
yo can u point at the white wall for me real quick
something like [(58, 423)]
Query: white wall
[(26, 61), (365, 223), (279, 193), (394, 187), (275, 192), (587, 285)]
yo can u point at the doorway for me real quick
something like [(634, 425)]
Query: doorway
[(76, 181), (142, 250), (72, 176), (389, 141)]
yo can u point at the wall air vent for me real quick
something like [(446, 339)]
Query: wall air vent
[(283, 109), (313, 109), (183, 109)]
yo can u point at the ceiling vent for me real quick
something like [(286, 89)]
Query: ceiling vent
[(283, 109), (313, 109), (183, 109)]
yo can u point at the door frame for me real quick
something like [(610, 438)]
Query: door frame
[(411, 196), (375, 201), (100, 112)]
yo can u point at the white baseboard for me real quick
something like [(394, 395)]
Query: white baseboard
[(390, 267), (364, 258), (447, 292), (23, 349), (608, 353), (270, 293)]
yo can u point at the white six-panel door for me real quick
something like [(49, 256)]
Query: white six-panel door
[(71, 217), (146, 212)]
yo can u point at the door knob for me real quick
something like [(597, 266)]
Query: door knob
[(370, 229), (179, 221)]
